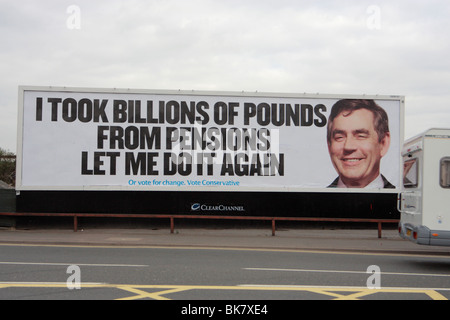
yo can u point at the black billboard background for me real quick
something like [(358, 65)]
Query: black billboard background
[(268, 204)]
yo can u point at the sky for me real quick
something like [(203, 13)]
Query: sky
[(399, 47)]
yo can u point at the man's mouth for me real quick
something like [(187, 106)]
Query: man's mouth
[(352, 160)]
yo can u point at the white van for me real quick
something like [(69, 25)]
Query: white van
[(424, 202)]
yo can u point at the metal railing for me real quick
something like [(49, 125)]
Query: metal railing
[(172, 218)]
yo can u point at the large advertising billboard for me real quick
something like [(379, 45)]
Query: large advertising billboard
[(111, 139)]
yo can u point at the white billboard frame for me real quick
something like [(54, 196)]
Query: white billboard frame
[(20, 186)]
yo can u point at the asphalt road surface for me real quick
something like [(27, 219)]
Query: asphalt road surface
[(51, 272)]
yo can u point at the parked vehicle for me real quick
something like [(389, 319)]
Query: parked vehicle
[(424, 202)]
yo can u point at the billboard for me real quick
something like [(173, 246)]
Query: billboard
[(154, 140)]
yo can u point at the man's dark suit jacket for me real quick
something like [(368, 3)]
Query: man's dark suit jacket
[(387, 184)]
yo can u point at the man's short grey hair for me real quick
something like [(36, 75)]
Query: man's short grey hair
[(347, 106)]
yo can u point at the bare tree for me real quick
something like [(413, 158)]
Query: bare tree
[(7, 167)]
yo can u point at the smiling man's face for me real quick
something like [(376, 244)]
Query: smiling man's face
[(355, 149)]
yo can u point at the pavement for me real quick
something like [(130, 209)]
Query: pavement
[(314, 239)]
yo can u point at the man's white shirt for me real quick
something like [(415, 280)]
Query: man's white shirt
[(378, 183)]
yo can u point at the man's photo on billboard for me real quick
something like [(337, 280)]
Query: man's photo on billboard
[(358, 137)]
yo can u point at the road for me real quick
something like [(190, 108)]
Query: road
[(193, 273)]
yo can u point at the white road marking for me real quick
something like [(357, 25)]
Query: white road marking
[(344, 271), (275, 286), (77, 264)]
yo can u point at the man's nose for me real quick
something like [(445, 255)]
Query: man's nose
[(350, 144)]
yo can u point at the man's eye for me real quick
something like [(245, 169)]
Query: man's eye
[(338, 138)]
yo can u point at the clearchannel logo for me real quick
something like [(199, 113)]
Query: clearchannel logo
[(220, 207)]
